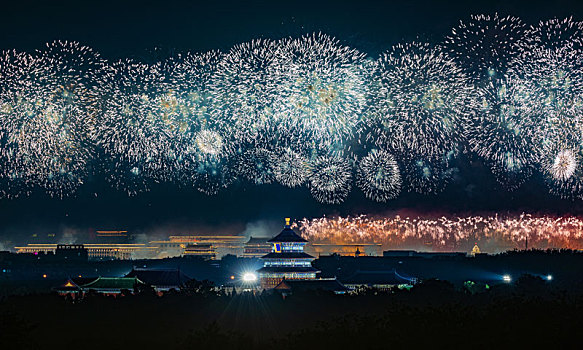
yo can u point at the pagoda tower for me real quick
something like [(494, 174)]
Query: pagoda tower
[(287, 259), (475, 250)]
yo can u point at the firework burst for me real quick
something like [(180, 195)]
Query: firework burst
[(290, 168), (331, 179), (428, 100), (485, 45), (379, 176), (305, 110), (48, 112), (506, 133), (323, 90)]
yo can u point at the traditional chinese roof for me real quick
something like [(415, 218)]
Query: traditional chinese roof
[(283, 269), (288, 255), (287, 235), (160, 277), (68, 286), (328, 284), (75, 284), (113, 283), (80, 281), (257, 240)]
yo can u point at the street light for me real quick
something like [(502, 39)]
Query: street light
[(549, 277), (506, 278)]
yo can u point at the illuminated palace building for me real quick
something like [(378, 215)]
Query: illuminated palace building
[(287, 259), (112, 245), (95, 251)]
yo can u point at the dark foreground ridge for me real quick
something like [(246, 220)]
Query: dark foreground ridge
[(434, 313), (515, 299)]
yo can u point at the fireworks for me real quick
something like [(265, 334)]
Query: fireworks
[(493, 233), (212, 176), (485, 45), (506, 133), (308, 111), (290, 168), (256, 166), (322, 91), (47, 117), (558, 33), (564, 165), (132, 133), (429, 99), (562, 169), (426, 177), (209, 142), (331, 179), (379, 176), (246, 87)]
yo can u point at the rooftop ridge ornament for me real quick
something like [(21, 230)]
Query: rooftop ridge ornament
[(287, 222)]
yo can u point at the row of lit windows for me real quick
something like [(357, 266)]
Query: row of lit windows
[(279, 247), (288, 262), (288, 275)]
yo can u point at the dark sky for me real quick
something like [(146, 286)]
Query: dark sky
[(134, 28)]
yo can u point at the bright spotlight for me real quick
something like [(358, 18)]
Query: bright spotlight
[(549, 277), (506, 278), (249, 277)]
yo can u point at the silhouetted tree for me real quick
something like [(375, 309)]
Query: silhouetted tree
[(144, 289), (195, 287), (531, 285)]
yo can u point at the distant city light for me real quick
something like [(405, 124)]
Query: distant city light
[(549, 277), (506, 278), (249, 277)]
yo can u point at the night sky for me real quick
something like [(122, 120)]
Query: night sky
[(149, 30)]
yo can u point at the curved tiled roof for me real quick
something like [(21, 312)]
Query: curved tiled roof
[(257, 240), (160, 277), (331, 284), (113, 283), (287, 235), (286, 255)]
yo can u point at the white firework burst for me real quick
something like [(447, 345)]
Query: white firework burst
[(561, 166), (425, 100), (290, 168), (135, 133), (564, 165), (379, 176), (558, 34), (47, 103), (255, 166), (331, 179), (506, 133), (209, 142), (322, 87), (246, 87)]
